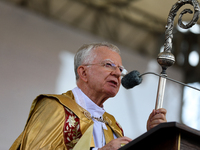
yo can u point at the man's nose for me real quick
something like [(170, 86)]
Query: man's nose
[(117, 72)]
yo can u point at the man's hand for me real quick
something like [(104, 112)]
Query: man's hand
[(156, 117), (116, 143)]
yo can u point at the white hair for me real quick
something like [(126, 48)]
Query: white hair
[(83, 55)]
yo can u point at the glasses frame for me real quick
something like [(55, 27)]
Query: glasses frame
[(110, 65)]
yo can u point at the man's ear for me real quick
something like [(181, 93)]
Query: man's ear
[(82, 72)]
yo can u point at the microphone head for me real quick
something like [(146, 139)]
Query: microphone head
[(131, 79)]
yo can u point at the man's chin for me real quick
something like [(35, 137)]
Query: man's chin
[(112, 93)]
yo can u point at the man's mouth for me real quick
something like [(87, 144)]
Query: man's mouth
[(114, 83)]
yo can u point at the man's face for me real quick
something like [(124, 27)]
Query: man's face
[(101, 79)]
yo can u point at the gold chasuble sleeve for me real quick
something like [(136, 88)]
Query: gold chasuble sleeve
[(48, 129), (45, 127), (44, 130)]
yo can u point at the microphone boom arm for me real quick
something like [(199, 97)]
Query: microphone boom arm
[(170, 80)]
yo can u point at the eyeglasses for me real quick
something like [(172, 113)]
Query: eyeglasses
[(111, 66)]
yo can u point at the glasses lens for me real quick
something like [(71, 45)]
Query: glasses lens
[(111, 66)]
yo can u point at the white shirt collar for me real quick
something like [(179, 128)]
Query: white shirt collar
[(85, 102)]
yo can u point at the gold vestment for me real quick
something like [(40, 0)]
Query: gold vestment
[(44, 127)]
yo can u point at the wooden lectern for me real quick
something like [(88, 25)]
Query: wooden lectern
[(166, 136)]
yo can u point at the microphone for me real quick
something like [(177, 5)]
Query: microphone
[(131, 79), (134, 78)]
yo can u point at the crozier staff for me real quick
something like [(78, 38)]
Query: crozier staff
[(76, 119)]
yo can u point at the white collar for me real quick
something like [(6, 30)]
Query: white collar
[(85, 102), (95, 111)]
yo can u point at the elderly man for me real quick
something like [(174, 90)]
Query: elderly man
[(76, 119)]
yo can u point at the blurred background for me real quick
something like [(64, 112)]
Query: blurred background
[(38, 40)]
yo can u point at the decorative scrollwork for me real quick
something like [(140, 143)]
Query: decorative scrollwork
[(166, 58), (172, 14)]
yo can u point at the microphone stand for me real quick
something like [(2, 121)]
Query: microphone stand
[(170, 80), (166, 58)]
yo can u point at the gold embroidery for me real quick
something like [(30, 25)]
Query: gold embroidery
[(71, 121)]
